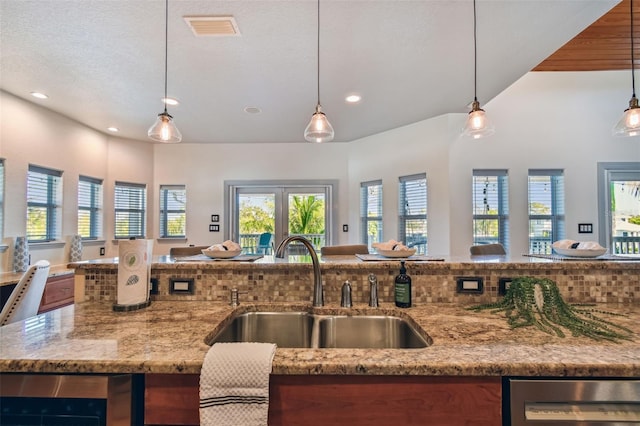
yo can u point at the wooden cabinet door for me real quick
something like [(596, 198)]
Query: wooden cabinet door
[(57, 293), (173, 399)]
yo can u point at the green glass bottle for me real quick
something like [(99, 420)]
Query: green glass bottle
[(402, 288)]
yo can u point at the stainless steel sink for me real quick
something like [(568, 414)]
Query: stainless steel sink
[(306, 330), (285, 329), (368, 332)]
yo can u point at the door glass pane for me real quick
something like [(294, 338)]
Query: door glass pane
[(256, 215), (306, 216), (625, 216)]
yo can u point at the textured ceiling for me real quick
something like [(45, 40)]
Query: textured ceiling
[(102, 61)]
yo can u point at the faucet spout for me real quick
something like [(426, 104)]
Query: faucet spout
[(318, 299)]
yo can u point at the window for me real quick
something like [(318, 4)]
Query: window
[(89, 207), (274, 210), (412, 221), (619, 207), (491, 207), (44, 201), (173, 213), (371, 212), (130, 210), (546, 209)]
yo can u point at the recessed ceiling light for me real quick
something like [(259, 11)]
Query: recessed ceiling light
[(170, 101), (39, 95), (113, 129), (252, 110), (352, 99)]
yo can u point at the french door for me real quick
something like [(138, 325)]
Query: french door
[(619, 195), (280, 209)]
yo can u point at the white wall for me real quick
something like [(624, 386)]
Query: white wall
[(32, 134), (544, 120), (204, 169)]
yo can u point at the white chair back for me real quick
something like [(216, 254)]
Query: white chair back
[(25, 298)]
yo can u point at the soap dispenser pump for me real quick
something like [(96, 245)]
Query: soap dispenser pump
[(402, 288)]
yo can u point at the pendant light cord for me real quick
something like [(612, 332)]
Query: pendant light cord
[(633, 62), (318, 53), (475, 55), (166, 50)]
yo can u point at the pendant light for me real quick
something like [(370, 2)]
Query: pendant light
[(477, 125), (629, 124), (319, 129), (164, 129)]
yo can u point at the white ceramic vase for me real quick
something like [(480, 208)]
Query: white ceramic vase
[(75, 251), (21, 255)]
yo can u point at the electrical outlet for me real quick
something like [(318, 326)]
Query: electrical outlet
[(101, 251), (503, 285), (345, 228), (181, 286), (154, 286), (470, 285)]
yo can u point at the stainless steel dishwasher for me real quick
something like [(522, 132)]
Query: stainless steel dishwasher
[(571, 401)]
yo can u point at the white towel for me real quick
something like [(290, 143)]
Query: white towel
[(234, 384)]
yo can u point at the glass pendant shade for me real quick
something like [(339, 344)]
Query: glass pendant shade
[(629, 124), (164, 130), (319, 129), (477, 125)]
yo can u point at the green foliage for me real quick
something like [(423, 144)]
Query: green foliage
[(635, 220), (256, 219), (177, 225), (306, 215), (538, 302)]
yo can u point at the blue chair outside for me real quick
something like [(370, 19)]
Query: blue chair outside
[(265, 243)]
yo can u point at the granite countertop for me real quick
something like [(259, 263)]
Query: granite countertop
[(169, 337), (349, 262)]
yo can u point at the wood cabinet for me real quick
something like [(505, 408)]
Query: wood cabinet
[(57, 293), (352, 400)]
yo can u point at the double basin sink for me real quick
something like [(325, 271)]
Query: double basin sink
[(310, 330)]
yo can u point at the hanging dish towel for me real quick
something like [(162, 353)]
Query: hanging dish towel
[(234, 384)]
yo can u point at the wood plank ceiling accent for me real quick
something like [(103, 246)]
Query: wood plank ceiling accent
[(604, 45)]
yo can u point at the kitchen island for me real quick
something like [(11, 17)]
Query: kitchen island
[(471, 352)]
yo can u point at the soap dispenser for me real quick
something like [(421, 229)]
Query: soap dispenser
[(402, 288)]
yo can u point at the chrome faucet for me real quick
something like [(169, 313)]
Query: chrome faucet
[(318, 299)]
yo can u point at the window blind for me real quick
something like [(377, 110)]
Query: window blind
[(412, 208), (173, 204), (491, 207), (130, 210), (371, 212), (44, 200), (90, 207), (546, 209)]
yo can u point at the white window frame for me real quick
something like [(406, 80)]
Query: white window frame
[(502, 193), (122, 207), (607, 173), (167, 210), (41, 179), (91, 189), (413, 214), (557, 204), (366, 208)]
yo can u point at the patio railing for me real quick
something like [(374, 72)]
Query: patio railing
[(249, 243), (625, 245)]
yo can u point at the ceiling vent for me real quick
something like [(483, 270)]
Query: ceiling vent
[(204, 26)]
